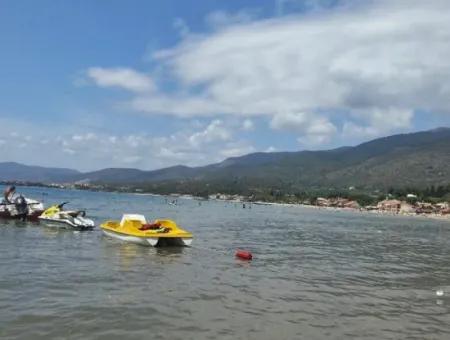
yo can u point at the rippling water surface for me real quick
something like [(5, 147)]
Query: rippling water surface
[(315, 275)]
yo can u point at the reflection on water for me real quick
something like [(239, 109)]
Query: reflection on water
[(170, 252), (132, 256), (315, 275), (16, 223)]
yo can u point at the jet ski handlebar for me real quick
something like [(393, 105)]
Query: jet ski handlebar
[(60, 206)]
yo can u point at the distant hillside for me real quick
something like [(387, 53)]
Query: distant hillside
[(121, 175), (10, 171), (416, 160)]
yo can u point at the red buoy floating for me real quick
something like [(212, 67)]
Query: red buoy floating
[(244, 255)]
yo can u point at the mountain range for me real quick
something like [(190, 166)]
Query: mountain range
[(417, 159)]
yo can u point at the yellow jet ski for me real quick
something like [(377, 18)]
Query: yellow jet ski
[(71, 219), (134, 228)]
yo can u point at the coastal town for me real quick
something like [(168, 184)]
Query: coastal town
[(387, 206), (393, 206)]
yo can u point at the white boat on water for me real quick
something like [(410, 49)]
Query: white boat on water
[(21, 207)]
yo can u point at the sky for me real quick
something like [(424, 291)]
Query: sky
[(150, 84)]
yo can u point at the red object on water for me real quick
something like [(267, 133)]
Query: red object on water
[(245, 255)]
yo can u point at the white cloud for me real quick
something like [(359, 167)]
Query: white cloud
[(291, 121), (281, 6), (378, 122), (288, 6), (68, 151), (221, 19), (293, 63), (248, 125), (354, 66), (126, 78), (216, 131), (181, 106), (233, 150), (181, 26), (84, 137), (313, 129), (131, 159), (134, 141), (202, 144)]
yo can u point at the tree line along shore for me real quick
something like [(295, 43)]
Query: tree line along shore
[(433, 200)]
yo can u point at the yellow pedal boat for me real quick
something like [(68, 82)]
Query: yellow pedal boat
[(134, 228)]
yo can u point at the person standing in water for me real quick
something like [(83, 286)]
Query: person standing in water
[(9, 193)]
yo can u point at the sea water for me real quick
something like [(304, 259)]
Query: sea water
[(316, 274)]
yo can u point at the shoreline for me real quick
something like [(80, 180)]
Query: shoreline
[(432, 216)]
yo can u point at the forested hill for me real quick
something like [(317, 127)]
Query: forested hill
[(407, 160), (12, 171)]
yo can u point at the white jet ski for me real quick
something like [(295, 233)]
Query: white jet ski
[(56, 216)]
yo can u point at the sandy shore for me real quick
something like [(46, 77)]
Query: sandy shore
[(362, 211), (296, 205)]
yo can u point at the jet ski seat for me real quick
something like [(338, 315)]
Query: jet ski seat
[(77, 213)]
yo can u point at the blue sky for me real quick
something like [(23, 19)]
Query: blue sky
[(149, 84)]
